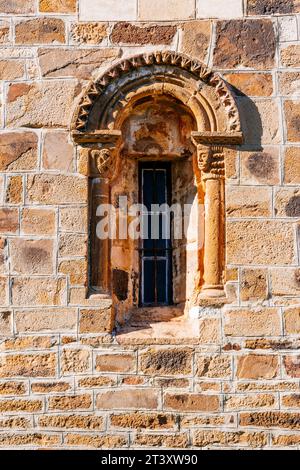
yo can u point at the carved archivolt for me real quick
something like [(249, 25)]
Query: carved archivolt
[(136, 65)]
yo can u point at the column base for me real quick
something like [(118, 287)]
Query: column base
[(212, 292)]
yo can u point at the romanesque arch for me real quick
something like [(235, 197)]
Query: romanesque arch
[(98, 130)]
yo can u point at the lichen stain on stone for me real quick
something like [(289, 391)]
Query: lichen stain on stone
[(261, 165), (292, 208), (34, 255)]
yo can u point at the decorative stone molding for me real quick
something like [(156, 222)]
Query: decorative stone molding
[(133, 65)]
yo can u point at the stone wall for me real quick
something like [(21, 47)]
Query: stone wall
[(233, 382)]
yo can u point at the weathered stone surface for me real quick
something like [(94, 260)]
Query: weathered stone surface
[(272, 7), (214, 366), (260, 121), (28, 365), (57, 6), (260, 167), (165, 441), (127, 399), (70, 402), (127, 33), (209, 331), (27, 291), (35, 221), (240, 402), (250, 84), (274, 419), (58, 152), (88, 33), (191, 402), (243, 322), (31, 439), (289, 83), (211, 437), (9, 221), (246, 43), (292, 118), (24, 406), (12, 69), (143, 421), (167, 361), (42, 104), (195, 39), (166, 10), (257, 367), (285, 281), (4, 299), (31, 256), (12, 388), (254, 284), (97, 442), (14, 190), (291, 401), (255, 242), (49, 319), (116, 363), (107, 10), (40, 31), (246, 201), (287, 28), (17, 6), (292, 366), (50, 387), (287, 203), (96, 321), (285, 440), (5, 323), (290, 55), (97, 382), (75, 269), (292, 165), (291, 318), (72, 245), (75, 361), (73, 219), (18, 151), (56, 189), (72, 422), (23, 343), (4, 31), (79, 63)]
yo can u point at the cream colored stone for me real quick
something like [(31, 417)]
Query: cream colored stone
[(246, 322), (292, 321), (287, 202), (292, 165), (73, 219), (88, 33), (42, 104), (285, 281), (254, 284), (5, 323), (72, 245), (35, 221), (290, 55), (31, 291), (58, 151), (75, 361), (4, 31), (107, 10), (46, 320), (258, 242), (56, 189), (11, 69), (246, 201), (289, 83), (195, 39), (219, 9), (166, 10), (287, 26)]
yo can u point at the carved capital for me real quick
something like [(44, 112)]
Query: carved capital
[(210, 162), (102, 162)]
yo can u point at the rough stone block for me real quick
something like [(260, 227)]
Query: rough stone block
[(254, 284), (261, 167), (260, 121), (23, 406), (292, 119), (88, 33), (76, 269), (58, 151), (14, 190), (75, 361), (70, 402), (72, 245), (287, 26), (52, 320), (287, 202), (18, 151), (142, 421), (291, 318), (245, 43), (135, 399), (292, 366), (271, 419), (272, 7), (166, 362), (56, 189), (28, 365), (245, 322), (241, 402), (41, 104), (35, 221), (195, 40), (116, 363), (50, 387), (257, 367), (250, 83), (57, 6), (289, 83), (191, 402), (246, 201), (290, 55), (214, 367), (73, 421), (4, 31), (6, 327), (96, 321), (17, 6), (285, 281), (127, 33), (259, 242), (31, 291), (12, 69), (12, 388), (9, 221), (40, 31), (73, 219), (31, 256)]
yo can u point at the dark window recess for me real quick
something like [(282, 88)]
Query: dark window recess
[(156, 246)]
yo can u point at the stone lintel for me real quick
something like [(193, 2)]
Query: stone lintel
[(101, 137), (217, 138)]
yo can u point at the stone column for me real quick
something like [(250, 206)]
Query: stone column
[(211, 164)]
